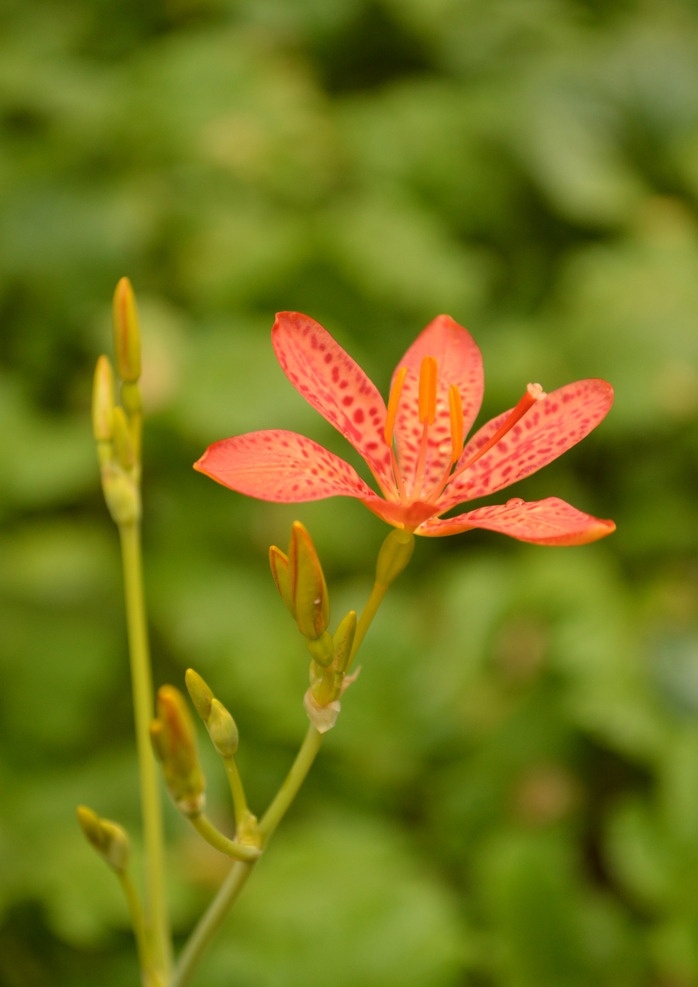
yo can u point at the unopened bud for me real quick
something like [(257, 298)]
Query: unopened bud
[(222, 729), (174, 742), (281, 571), (199, 692), (310, 595), (103, 400), (107, 837), (127, 335), (321, 649), (343, 641)]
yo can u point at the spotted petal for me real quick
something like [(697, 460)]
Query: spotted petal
[(281, 466), (552, 426), (458, 362), (542, 522), (336, 386)]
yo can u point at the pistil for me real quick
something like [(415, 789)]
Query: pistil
[(533, 394)]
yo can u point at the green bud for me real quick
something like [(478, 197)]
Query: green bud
[(281, 571), (103, 400), (174, 742), (321, 649), (222, 729), (107, 837), (127, 334), (343, 641), (310, 595), (199, 692), (121, 494)]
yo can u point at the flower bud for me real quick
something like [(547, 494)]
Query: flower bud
[(174, 742), (222, 729), (343, 641), (281, 571), (310, 596), (199, 692), (127, 334), (103, 400), (107, 837), (321, 649)]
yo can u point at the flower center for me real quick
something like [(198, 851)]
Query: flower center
[(426, 416)]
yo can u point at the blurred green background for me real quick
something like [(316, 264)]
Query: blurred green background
[(510, 798)]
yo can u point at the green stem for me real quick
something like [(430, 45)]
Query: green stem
[(136, 913), (231, 848), (237, 791), (157, 934), (365, 620), (211, 921), (240, 872), (292, 783)]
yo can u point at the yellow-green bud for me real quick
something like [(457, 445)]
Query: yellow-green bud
[(103, 400), (281, 571), (127, 335), (310, 596), (222, 729), (321, 649), (107, 837), (343, 641), (200, 693), (174, 742)]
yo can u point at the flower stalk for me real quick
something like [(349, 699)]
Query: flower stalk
[(117, 431)]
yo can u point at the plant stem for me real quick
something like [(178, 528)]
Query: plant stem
[(231, 848), (239, 873), (241, 870), (157, 934), (292, 783), (368, 613), (136, 913), (237, 792), (211, 921)]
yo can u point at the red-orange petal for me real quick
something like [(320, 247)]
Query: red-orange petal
[(458, 363), (280, 466), (542, 522), (552, 426), (336, 386)]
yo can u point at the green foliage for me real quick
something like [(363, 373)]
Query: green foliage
[(510, 798)]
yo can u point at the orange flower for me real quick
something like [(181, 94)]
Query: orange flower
[(414, 446)]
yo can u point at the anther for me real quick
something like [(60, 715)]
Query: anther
[(427, 390)]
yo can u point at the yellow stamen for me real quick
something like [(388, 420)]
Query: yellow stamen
[(427, 390), (393, 404), (455, 408)]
